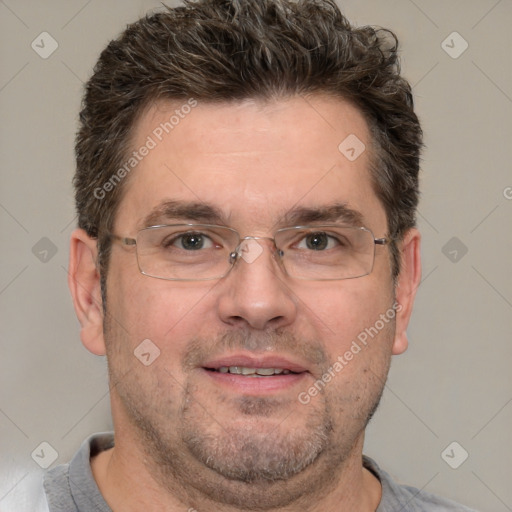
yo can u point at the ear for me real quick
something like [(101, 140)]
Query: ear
[(84, 283), (407, 284)]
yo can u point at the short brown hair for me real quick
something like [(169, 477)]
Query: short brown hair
[(229, 50)]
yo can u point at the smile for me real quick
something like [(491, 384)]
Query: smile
[(252, 372)]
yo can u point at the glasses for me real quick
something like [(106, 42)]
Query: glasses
[(197, 252)]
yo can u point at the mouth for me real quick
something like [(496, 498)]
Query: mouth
[(252, 374)]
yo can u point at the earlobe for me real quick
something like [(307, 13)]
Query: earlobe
[(407, 284), (84, 284)]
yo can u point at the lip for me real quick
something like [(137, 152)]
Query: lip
[(255, 386), (256, 361)]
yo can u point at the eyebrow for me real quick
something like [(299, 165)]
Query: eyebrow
[(181, 211), (336, 212)]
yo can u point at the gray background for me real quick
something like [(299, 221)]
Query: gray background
[(454, 382)]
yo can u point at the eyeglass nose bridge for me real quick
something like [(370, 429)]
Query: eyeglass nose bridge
[(250, 252)]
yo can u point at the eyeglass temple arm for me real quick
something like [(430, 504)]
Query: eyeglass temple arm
[(382, 241), (123, 240)]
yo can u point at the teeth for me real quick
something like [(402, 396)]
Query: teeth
[(243, 370), (265, 371)]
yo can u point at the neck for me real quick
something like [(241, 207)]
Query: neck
[(128, 481)]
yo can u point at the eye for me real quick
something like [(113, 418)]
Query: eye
[(190, 242), (318, 241)]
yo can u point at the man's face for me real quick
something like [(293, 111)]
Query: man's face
[(253, 163)]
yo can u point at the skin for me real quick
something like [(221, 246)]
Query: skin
[(183, 439)]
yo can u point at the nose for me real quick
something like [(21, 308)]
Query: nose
[(256, 292)]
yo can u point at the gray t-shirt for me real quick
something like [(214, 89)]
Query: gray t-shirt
[(72, 488)]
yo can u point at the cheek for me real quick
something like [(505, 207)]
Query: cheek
[(165, 312), (144, 347), (352, 383), (342, 310)]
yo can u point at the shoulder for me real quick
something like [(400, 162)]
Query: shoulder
[(58, 490), (403, 497), (71, 487)]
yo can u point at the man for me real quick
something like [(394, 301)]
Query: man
[(247, 259)]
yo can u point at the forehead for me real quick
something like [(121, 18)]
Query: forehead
[(253, 162)]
